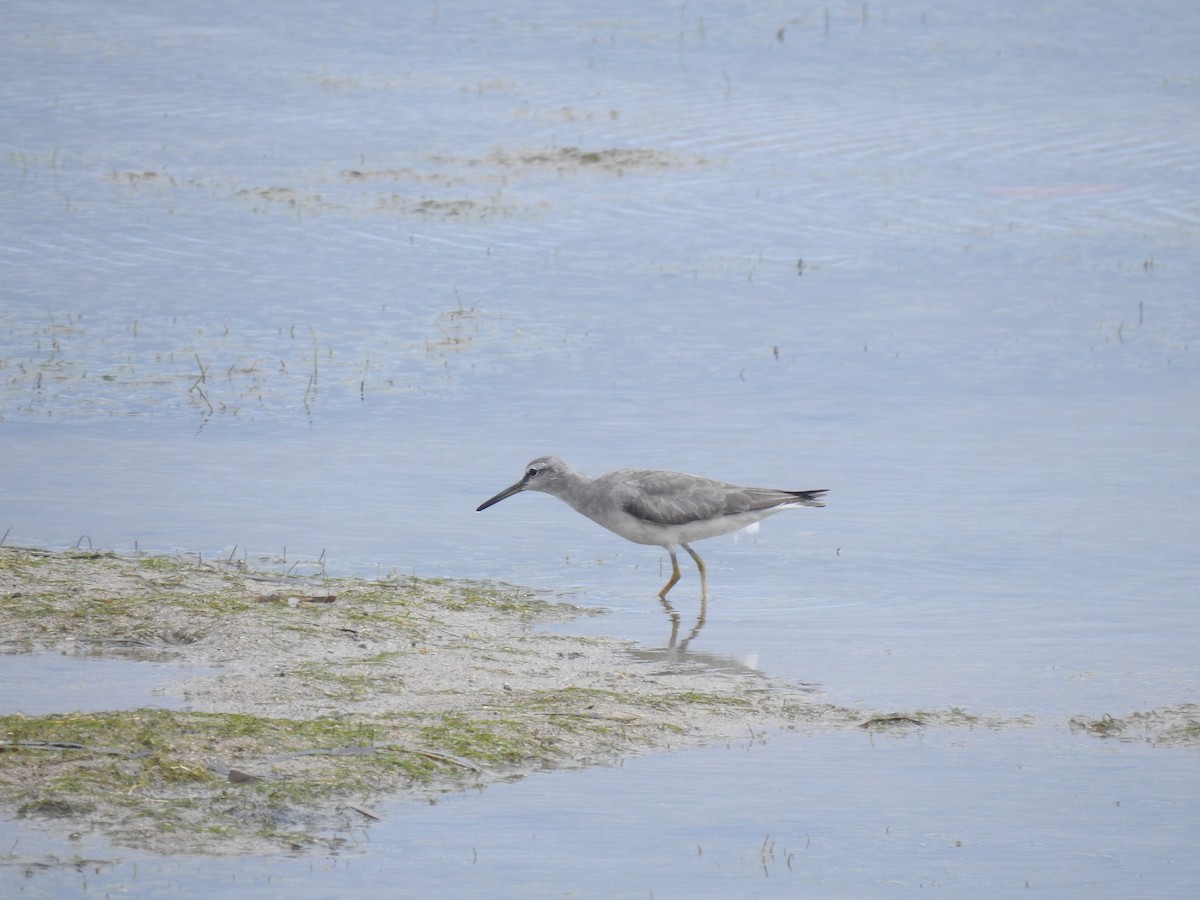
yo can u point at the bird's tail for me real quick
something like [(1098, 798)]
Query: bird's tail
[(808, 498)]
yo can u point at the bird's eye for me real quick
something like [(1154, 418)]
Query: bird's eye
[(532, 473)]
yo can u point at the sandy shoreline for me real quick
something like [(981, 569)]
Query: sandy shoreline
[(418, 687), (330, 698)]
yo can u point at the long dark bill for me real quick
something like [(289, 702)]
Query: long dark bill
[(507, 492)]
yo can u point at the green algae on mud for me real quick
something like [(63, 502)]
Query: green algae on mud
[(330, 696), (197, 782), (324, 698)]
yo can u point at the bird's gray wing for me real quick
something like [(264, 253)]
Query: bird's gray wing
[(671, 498)]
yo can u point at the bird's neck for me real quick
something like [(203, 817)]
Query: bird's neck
[(575, 489)]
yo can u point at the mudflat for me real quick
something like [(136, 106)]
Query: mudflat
[(330, 696)]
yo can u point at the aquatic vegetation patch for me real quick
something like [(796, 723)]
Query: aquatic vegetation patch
[(1165, 725), (322, 699)]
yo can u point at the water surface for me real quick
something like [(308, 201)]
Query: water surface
[(284, 284)]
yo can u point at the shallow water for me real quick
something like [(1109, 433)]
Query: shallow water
[(313, 286), (43, 683), (975, 812)]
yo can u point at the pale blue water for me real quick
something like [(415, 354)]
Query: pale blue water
[(53, 682), (972, 813), (305, 280)]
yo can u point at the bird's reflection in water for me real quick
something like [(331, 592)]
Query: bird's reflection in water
[(677, 654), (673, 642)]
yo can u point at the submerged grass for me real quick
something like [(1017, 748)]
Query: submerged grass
[(1165, 725)]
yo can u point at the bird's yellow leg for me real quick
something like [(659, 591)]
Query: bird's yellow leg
[(703, 572), (674, 575)]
